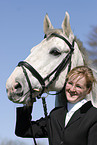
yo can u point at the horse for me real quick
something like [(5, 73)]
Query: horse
[(46, 67)]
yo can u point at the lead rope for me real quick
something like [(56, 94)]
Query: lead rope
[(45, 113), (33, 99), (44, 106)]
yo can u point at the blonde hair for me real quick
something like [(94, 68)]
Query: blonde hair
[(83, 71)]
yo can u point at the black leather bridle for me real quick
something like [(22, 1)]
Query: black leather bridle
[(56, 71), (42, 80)]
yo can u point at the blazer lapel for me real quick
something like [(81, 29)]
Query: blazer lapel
[(79, 113)]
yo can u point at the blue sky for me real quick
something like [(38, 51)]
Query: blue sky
[(21, 28)]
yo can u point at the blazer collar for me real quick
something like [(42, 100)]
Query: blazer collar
[(80, 112), (86, 107), (60, 116)]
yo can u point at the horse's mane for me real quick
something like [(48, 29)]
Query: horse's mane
[(82, 49)]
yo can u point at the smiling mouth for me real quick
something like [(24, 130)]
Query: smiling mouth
[(73, 94)]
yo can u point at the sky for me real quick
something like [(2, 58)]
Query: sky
[(21, 28)]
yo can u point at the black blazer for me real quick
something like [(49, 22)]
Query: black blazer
[(81, 129)]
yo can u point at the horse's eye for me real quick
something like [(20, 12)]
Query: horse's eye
[(55, 52)]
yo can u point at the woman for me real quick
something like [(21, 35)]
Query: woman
[(77, 126)]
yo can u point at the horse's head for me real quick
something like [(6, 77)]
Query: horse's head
[(40, 72)]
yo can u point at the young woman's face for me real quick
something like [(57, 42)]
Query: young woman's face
[(76, 89)]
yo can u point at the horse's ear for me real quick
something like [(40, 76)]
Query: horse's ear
[(66, 25), (47, 24)]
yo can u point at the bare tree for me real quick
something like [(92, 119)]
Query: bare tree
[(92, 42), (93, 38)]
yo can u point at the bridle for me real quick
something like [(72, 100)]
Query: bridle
[(56, 71), (42, 80)]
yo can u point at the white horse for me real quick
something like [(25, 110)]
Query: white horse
[(40, 72)]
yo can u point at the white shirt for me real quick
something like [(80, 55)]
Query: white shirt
[(72, 108)]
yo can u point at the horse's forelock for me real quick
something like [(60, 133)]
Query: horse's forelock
[(50, 31)]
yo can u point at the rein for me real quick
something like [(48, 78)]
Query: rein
[(42, 80)]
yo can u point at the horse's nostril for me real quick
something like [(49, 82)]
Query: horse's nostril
[(7, 90), (18, 86)]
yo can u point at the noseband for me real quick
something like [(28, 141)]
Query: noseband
[(56, 71)]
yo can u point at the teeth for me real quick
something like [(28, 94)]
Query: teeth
[(36, 90)]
